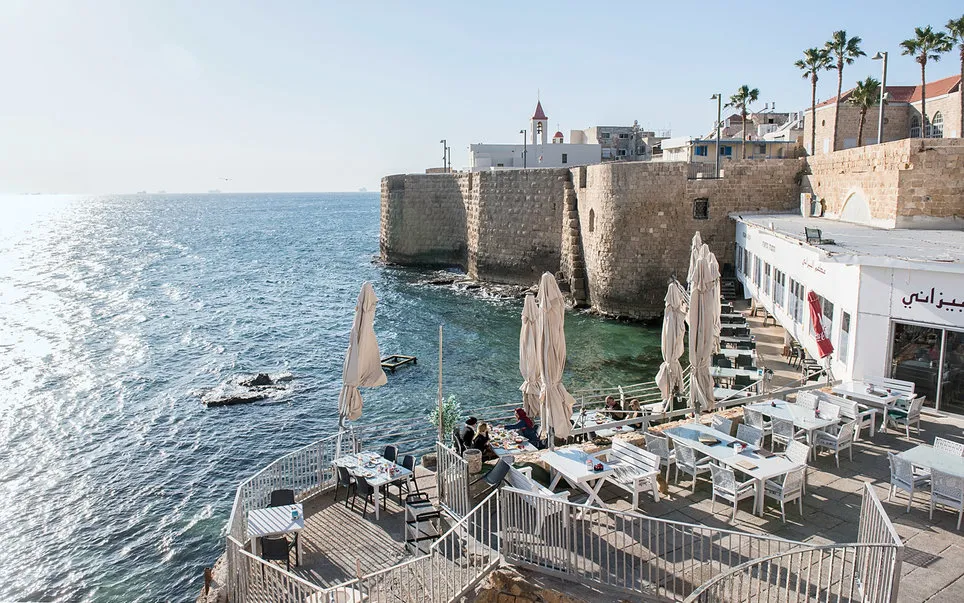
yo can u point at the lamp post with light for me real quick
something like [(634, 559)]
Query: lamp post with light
[(524, 147), (443, 142), (881, 56), (719, 112)]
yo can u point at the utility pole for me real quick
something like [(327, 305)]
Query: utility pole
[(448, 152), (524, 147), (883, 97), (443, 141), (719, 112)]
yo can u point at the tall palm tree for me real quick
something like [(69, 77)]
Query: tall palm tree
[(865, 95), (813, 62), (926, 44), (846, 51), (955, 31), (744, 96)]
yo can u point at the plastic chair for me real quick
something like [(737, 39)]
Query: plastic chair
[(724, 363), (749, 434), (275, 548), (837, 438), (721, 424), (903, 477), (659, 445), (948, 447), (754, 418), (744, 361), (726, 487), (346, 481), (948, 491), (367, 492), (391, 453), (408, 462), (280, 498), (786, 490), (687, 461), (903, 417), (496, 475)]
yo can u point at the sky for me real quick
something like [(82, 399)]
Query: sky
[(104, 96)]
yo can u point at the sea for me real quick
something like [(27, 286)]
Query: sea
[(118, 312)]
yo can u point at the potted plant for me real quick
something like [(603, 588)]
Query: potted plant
[(451, 414)]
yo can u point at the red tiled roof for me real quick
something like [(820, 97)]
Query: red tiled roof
[(557, 135), (909, 94), (540, 114)]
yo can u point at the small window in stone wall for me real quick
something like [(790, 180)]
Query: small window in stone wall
[(701, 209), (565, 158), (592, 220)]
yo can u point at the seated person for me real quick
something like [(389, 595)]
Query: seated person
[(525, 426), (634, 409), (614, 409), (468, 431), (481, 442)]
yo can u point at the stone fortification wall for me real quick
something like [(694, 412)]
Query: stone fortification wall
[(423, 219), (637, 221), (893, 185)]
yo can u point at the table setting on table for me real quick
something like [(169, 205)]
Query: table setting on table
[(508, 441)]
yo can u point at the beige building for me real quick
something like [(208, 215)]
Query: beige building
[(621, 143), (902, 117), (703, 150)]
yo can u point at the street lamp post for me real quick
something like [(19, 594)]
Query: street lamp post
[(443, 142), (881, 56), (719, 112), (448, 153), (524, 147)]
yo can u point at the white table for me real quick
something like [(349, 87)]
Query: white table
[(376, 469), (802, 418), (878, 398), (728, 393), (732, 314), (729, 373), (766, 468), (591, 418), (736, 340), (927, 456), (733, 353), (275, 521), (504, 442), (570, 465)]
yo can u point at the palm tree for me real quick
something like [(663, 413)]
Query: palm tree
[(846, 51), (955, 31), (813, 62), (926, 44), (743, 97), (865, 95)]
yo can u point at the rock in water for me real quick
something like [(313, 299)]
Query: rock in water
[(257, 380)]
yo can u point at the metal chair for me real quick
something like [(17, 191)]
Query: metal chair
[(346, 481), (391, 453), (280, 498), (749, 434), (903, 477), (687, 461), (659, 445), (787, 490), (949, 447), (275, 548), (947, 490), (726, 487), (721, 424)]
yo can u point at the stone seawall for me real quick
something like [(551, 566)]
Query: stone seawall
[(614, 231)]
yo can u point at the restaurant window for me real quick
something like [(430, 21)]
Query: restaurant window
[(766, 278), (756, 272), (701, 209), (779, 287), (797, 295), (843, 345), (746, 262), (933, 359)]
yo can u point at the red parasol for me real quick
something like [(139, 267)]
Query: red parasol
[(823, 342)]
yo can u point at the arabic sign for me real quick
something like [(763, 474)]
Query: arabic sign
[(824, 347), (933, 297)]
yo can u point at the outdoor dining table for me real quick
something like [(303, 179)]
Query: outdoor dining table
[(805, 419), (925, 455), (508, 441), (733, 353), (758, 467), (275, 521), (736, 340), (729, 373), (732, 315), (570, 465), (726, 393), (589, 418), (857, 390), (376, 469)]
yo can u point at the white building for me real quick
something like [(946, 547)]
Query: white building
[(892, 300), (537, 153)]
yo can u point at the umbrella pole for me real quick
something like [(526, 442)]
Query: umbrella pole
[(441, 423)]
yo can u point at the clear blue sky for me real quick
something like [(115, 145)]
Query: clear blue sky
[(118, 96)]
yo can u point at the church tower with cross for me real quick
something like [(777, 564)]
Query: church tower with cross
[(539, 126)]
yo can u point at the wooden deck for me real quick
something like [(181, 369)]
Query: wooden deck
[(337, 541)]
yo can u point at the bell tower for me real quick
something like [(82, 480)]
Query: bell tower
[(539, 125)]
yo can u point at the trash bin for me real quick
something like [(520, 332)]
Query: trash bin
[(473, 457)]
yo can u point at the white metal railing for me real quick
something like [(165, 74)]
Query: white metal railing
[(452, 477), (259, 580), (879, 566)]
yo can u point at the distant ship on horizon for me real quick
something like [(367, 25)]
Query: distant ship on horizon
[(363, 190), (214, 191)]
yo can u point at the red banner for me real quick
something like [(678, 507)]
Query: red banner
[(816, 313)]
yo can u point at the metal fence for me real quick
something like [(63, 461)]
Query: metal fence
[(452, 477)]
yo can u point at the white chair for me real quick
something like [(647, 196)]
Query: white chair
[(903, 416), (659, 446), (903, 477), (828, 410), (786, 490), (837, 438), (687, 462), (947, 490), (807, 400), (948, 447), (754, 418), (798, 452), (721, 424), (726, 487), (749, 434), (783, 432)]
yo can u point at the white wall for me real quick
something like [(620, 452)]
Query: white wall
[(486, 156)]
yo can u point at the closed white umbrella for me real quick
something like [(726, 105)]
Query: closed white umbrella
[(704, 332), (695, 248), (529, 357), (555, 402), (363, 363), (670, 375)]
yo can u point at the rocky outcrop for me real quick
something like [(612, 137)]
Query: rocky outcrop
[(247, 389)]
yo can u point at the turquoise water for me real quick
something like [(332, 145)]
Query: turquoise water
[(115, 312)]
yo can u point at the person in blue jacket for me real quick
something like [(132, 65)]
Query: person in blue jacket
[(526, 427)]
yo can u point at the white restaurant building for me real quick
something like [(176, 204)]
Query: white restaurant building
[(892, 299)]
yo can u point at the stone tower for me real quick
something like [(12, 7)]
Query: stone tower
[(539, 125)]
